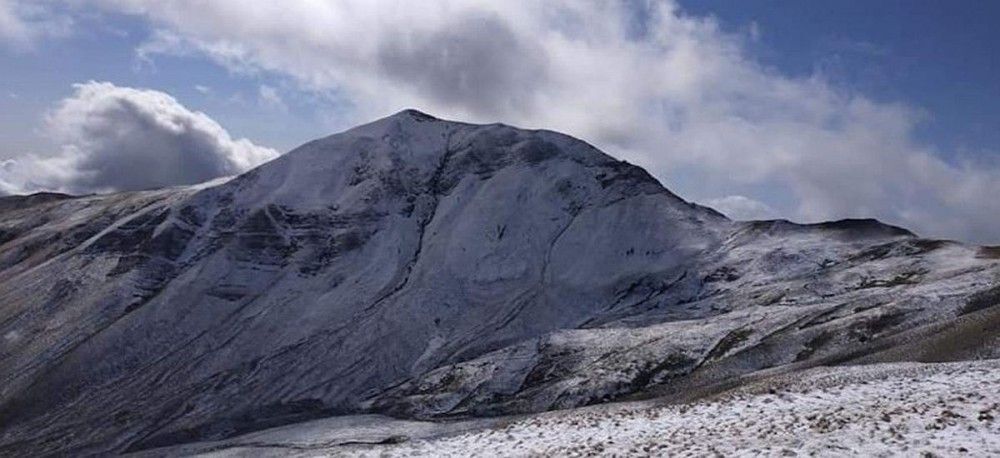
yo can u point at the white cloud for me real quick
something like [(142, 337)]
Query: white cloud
[(22, 23), (119, 138), (669, 91), (268, 97), (33, 173), (7, 167), (742, 208)]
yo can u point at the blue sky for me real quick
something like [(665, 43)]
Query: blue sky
[(104, 49), (941, 56), (801, 110)]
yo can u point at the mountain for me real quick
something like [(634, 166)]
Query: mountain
[(433, 269)]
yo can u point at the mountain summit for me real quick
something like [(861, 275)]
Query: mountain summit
[(428, 268)]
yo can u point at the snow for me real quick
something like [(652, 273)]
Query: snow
[(908, 409), (912, 410)]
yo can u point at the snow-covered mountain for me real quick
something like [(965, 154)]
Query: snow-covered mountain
[(432, 269)]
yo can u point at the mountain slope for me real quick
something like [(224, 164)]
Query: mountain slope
[(899, 409), (427, 268)]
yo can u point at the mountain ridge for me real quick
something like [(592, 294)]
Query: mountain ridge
[(429, 269)]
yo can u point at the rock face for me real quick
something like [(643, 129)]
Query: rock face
[(427, 268)]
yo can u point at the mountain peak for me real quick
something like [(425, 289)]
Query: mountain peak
[(415, 114)]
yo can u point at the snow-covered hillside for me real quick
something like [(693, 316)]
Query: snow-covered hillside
[(900, 409), (433, 269), (884, 410)]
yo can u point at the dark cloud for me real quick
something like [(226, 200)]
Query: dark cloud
[(475, 61)]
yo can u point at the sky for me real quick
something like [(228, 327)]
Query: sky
[(808, 111)]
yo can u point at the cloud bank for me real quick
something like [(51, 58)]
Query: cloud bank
[(118, 138), (638, 78)]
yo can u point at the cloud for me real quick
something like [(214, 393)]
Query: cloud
[(7, 167), (23, 23), (742, 208), (32, 174), (119, 138), (268, 97), (640, 79)]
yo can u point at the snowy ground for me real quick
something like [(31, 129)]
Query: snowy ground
[(908, 409)]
